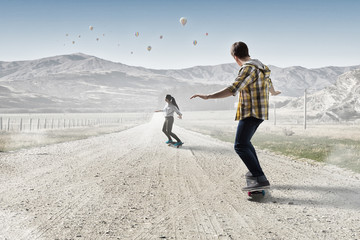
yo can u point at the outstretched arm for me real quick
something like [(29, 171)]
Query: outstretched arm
[(220, 94), (273, 92)]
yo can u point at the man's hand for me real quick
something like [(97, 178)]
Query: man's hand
[(275, 93), (200, 96)]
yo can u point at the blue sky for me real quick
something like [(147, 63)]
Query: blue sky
[(304, 33)]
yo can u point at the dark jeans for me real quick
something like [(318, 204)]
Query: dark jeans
[(243, 147), (168, 124)]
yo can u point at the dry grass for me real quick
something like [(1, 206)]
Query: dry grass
[(14, 140), (10, 141), (337, 144)]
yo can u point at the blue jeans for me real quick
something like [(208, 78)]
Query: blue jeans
[(243, 147)]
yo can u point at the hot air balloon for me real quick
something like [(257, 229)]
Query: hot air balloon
[(97, 39), (131, 52), (206, 34), (79, 36), (149, 48), (183, 21), (73, 42), (161, 36), (67, 34), (136, 34), (91, 28), (194, 42)]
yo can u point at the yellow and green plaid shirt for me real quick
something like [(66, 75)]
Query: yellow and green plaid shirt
[(253, 83)]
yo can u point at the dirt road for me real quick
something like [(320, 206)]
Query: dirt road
[(131, 185)]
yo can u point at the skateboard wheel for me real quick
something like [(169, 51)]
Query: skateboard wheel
[(250, 193)]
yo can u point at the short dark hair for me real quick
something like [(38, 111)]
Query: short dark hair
[(240, 50)]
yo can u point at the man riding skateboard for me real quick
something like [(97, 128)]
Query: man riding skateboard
[(253, 84)]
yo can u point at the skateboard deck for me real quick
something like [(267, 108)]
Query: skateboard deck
[(173, 145)]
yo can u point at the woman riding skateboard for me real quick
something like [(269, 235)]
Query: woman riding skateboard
[(169, 109)]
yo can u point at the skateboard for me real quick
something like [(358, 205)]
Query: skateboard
[(173, 145), (255, 191)]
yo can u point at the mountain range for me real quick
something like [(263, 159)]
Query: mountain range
[(338, 102), (83, 83)]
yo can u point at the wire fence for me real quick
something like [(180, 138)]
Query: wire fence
[(38, 122)]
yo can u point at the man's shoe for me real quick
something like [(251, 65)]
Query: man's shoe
[(257, 185)]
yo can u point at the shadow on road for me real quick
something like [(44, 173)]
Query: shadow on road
[(338, 197)]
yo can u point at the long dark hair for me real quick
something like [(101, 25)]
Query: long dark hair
[(172, 100)]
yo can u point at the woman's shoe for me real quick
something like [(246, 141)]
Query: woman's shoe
[(178, 144)]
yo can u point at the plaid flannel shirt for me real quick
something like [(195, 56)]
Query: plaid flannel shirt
[(253, 84)]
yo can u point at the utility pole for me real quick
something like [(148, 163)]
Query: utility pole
[(305, 108), (274, 114)]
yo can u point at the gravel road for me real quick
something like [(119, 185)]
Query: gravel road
[(131, 185)]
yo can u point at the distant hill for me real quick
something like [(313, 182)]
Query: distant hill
[(83, 83)]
